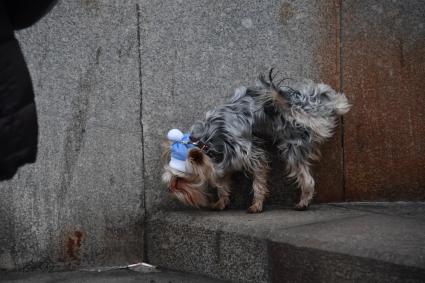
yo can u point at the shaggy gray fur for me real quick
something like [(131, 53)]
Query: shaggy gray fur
[(295, 117)]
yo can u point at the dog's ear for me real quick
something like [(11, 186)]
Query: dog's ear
[(196, 156), (166, 151), (200, 165)]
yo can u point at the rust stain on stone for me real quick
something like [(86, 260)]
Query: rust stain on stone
[(384, 71), (286, 12), (385, 144), (74, 245), (72, 241), (381, 63)]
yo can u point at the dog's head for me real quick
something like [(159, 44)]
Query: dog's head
[(193, 186)]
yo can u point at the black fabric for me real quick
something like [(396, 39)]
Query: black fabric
[(18, 119), (6, 28), (24, 13)]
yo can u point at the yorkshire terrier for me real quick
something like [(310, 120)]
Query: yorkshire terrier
[(295, 117)]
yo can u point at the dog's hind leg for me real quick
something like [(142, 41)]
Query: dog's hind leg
[(223, 186), (259, 186)]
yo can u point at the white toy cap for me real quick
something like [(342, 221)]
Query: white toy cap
[(175, 135)]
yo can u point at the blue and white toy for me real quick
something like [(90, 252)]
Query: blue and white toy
[(179, 149)]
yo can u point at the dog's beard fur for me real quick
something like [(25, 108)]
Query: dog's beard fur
[(192, 188), (295, 118)]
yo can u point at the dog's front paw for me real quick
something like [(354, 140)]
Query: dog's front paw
[(303, 204), (220, 204), (300, 207), (256, 208)]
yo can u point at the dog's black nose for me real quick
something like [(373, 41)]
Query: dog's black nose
[(193, 139)]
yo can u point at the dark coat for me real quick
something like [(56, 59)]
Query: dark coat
[(18, 119)]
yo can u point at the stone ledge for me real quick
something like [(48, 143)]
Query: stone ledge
[(111, 276), (328, 243)]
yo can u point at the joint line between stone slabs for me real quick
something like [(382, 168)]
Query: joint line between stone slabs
[(341, 89), (139, 52), (375, 212), (324, 221)]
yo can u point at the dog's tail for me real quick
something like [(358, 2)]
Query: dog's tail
[(341, 104), (336, 101), (304, 97)]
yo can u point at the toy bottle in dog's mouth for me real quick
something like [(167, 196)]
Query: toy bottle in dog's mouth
[(179, 149)]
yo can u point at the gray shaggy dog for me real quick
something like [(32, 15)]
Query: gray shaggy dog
[(295, 117)]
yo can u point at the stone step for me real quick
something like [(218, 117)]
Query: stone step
[(109, 276), (359, 242)]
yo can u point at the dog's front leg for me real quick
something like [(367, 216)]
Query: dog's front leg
[(306, 183), (298, 167), (223, 186), (259, 186)]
